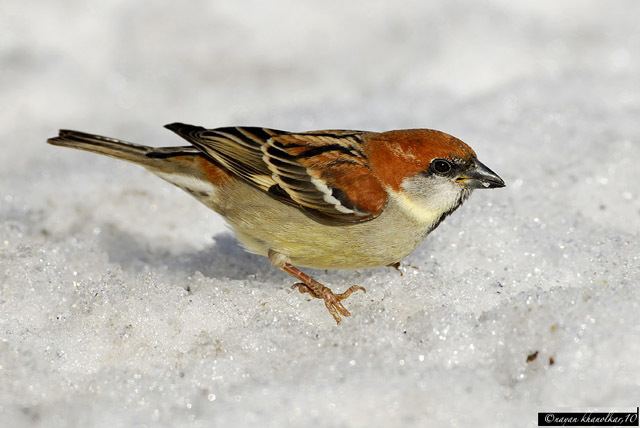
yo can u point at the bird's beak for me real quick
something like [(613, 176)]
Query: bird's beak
[(479, 176)]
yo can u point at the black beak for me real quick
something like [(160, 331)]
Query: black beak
[(479, 176)]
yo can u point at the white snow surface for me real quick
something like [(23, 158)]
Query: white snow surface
[(124, 302)]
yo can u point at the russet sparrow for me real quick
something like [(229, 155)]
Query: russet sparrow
[(322, 199)]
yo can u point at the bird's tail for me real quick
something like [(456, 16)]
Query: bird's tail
[(104, 145), (186, 166)]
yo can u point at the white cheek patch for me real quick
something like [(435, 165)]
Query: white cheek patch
[(189, 183), (426, 200)]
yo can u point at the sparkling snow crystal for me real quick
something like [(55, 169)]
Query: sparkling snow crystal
[(124, 302)]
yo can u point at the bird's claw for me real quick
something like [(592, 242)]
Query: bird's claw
[(331, 300)]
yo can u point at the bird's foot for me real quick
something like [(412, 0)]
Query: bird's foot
[(402, 268), (307, 284), (332, 301), (397, 267)]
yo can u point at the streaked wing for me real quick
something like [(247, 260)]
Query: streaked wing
[(323, 173)]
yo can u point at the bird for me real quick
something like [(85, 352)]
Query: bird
[(328, 199)]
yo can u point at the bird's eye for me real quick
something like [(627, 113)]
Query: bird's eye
[(441, 166)]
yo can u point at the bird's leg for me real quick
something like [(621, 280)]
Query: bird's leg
[(396, 266), (331, 300), (401, 268), (309, 285)]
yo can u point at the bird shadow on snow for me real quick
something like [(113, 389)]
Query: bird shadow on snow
[(224, 259)]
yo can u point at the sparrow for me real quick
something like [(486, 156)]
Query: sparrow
[(331, 199)]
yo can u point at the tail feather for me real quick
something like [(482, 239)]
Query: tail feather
[(167, 162), (104, 145), (186, 167)]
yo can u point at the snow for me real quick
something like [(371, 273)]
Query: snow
[(123, 302)]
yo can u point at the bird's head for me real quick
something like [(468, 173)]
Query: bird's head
[(428, 173)]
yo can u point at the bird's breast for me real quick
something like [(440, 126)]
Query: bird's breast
[(262, 223)]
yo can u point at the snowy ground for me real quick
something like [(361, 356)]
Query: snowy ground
[(123, 302)]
